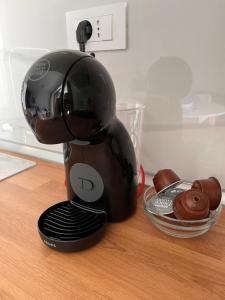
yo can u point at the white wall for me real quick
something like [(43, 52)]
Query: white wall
[(174, 64)]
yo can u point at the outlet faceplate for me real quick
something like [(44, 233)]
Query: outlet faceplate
[(108, 25)]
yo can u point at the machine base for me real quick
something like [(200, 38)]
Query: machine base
[(67, 228)]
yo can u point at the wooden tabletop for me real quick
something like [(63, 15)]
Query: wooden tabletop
[(133, 260)]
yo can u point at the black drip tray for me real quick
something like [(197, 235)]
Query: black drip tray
[(66, 227)]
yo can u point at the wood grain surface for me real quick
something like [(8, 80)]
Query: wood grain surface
[(133, 260)]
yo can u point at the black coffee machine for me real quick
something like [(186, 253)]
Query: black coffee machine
[(69, 97)]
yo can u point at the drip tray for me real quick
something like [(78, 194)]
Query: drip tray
[(68, 228)]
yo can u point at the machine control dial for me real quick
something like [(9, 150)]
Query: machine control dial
[(86, 182)]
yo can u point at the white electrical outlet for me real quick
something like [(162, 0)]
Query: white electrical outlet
[(102, 29), (108, 27)]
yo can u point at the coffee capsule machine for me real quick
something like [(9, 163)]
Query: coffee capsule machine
[(69, 97)]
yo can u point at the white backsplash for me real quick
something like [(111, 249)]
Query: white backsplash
[(174, 64)]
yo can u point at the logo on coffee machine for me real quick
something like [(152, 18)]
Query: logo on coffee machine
[(39, 70), (86, 182)]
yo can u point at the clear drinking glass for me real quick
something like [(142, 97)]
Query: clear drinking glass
[(131, 115)]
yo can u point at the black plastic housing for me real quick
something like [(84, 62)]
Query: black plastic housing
[(69, 97)]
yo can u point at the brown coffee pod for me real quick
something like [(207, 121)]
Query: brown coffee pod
[(212, 188), (191, 205), (164, 178)]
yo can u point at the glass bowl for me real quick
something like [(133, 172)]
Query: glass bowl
[(179, 228)]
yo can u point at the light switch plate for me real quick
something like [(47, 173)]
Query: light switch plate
[(108, 24)]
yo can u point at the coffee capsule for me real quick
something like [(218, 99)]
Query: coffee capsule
[(212, 188), (164, 178), (191, 205)]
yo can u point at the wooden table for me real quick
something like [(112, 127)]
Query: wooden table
[(133, 261)]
